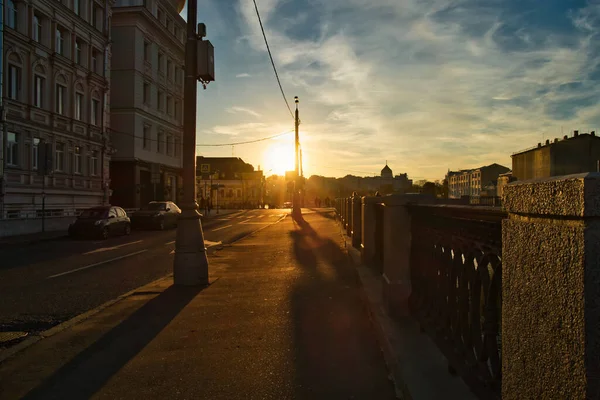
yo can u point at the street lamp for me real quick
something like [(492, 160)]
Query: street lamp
[(190, 265)]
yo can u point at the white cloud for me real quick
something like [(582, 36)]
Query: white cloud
[(243, 75), (237, 110)]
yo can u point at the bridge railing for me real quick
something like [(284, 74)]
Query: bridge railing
[(456, 277)]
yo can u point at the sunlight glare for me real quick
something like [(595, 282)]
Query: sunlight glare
[(279, 157)]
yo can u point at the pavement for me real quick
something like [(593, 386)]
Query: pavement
[(283, 318), (46, 283)]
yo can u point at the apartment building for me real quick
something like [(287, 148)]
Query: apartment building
[(147, 101), (55, 92), (474, 182)]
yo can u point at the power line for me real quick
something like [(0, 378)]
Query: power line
[(271, 57), (204, 145)]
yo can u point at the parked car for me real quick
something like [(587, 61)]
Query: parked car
[(287, 204), (102, 221), (156, 215)]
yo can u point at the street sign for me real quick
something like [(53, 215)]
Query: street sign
[(205, 168)]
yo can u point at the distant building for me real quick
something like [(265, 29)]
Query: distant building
[(146, 102), (239, 186), (503, 180), (474, 182), (580, 153)]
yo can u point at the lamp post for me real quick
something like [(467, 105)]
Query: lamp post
[(190, 266), (296, 197)]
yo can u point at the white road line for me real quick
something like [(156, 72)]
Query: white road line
[(96, 264), (168, 243), (260, 216), (207, 244), (241, 216), (250, 217), (111, 248), (223, 227)]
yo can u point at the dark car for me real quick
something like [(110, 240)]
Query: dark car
[(101, 221), (156, 215)]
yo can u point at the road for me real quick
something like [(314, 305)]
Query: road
[(47, 283)]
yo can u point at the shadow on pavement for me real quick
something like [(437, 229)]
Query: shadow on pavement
[(337, 356), (89, 371)]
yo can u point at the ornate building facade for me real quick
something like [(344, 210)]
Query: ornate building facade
[(55, 143)]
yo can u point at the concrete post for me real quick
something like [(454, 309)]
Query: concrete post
[(396, 250), (367, 246), (551, 289), (356, 221), (349, 216)]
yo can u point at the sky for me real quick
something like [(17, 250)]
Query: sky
[(427, 85)]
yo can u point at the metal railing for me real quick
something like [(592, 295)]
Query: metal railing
[(456, 270)]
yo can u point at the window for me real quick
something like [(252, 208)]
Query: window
[(14, 82), (160, 62), (77, 6), (169, 145), (12, 149), (238, 193), (159, 100), (169, 105), (38, 91), (147, 51), (112, 212), (94, 163), (37, 27), (35, 153), (169, 24), (12, 15), (60, 99), (159, 15), (159, 142), (169, 69), (78, 46), (146, 93), (120, 212), (60, 157), (94, 20), (146, 137), (95, 57), (59, 41), (77, 160), (94, 120), (176, 146), (78, 106), (176, 32), (176, 109)]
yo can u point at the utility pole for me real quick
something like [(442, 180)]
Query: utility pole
[(190, 266), (295, 198)]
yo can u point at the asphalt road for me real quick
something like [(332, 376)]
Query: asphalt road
[(47, 283)]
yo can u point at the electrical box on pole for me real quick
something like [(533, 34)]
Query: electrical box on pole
[(206, 61)]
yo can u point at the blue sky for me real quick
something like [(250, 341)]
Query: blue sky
[(427, 85)]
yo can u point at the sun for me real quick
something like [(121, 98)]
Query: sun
[(278, 158)]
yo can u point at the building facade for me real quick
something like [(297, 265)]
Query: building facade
[(235, 184), (56, 147), (574, 155), (474, 182), (147, 101)]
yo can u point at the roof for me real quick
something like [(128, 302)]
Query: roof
[(550, 143), (386, 169)]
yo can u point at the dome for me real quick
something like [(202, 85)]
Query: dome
[(386, 172), (178, 4)]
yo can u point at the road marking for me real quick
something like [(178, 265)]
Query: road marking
[(260, 216), (168, 243), (247, 218), (255, 223), (98, 263), (111, 248), (223, 227), (207, 244), (241, 216)]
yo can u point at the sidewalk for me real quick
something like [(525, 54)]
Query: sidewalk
[(282, 319), (32, 238)]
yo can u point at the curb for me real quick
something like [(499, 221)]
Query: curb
[(389, 355)]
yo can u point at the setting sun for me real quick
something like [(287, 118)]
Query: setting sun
[(279, 157)]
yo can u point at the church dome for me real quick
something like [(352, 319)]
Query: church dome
[(386, 172)]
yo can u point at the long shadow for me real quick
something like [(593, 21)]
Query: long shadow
[(336, 354), (89, 371)]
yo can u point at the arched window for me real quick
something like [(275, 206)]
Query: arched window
[(95, 109), (79, 102), (39, 86), (14, 76), (60, 106), (12, 15)]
